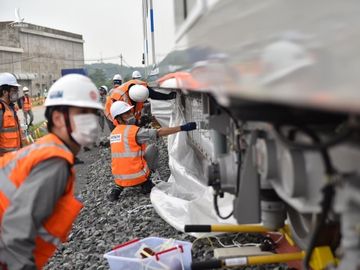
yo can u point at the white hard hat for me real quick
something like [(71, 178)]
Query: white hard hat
[(25, 89), (117, 77), (282, 58), (74, 90), (119, 107), (138, 93), (170, 83), (136, 74), (104, 87), (8, 79)]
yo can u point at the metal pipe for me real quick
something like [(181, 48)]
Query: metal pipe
[(152, 32), (144, 16)]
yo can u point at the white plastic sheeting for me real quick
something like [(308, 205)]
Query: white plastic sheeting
[(184, 198), (162, 111)]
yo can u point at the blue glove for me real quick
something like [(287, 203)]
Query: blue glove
[(188, 126)]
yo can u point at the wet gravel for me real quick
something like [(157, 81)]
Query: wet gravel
[(102, 225)]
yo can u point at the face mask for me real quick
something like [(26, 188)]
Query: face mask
[(14, 96), (131, 120), (86, 129)]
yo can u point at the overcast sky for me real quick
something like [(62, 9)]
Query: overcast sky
[(109, 27)]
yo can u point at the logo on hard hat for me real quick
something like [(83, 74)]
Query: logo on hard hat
[(56, 94), (93, 95)]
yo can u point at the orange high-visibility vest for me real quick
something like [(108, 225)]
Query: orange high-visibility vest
[(27, 104), (128, 164), (16, 167), (122, 93), (107, 106), (10, 135)]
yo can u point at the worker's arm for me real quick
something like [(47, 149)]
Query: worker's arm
[(165, 131), (161, 96), (33, 202), (171, 130), (146, 135)]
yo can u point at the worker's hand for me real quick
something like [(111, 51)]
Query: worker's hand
[(188, 126)]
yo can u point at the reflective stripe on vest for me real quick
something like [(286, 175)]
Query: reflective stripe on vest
[(126, 154), (129, 167), (44, 234), (143, 172)]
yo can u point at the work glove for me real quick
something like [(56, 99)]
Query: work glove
[(188, 126)]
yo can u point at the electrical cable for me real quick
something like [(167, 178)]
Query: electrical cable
[(328, 190), (216, 207), (237, 139), (65, 59), (341, 136)]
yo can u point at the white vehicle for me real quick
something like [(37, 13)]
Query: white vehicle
[(276, 82)]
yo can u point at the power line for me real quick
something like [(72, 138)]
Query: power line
[(62, 59)]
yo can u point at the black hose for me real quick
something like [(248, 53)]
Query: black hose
[(211, 264), (216, 206), (341, 136)]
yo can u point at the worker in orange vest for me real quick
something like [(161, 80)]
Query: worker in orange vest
[(132, 162), (121, 92), (10, 135), (136, 93), (37, 202), (117, 81), (133, 94), (26, 107)]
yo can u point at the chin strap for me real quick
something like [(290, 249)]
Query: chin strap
[(68, 125)]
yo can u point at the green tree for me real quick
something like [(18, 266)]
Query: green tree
[(98, 77)]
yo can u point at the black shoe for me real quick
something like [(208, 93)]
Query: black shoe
[(114, 194), (146, 187), (78, 161)]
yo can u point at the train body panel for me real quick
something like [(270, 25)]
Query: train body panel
[(274, 87)]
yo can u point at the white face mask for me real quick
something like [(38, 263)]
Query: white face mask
[(131, 120), (13, 97), (86, 128)]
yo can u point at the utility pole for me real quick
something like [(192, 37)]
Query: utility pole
[(121, 60)]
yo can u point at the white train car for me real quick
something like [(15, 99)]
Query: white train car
[(275, 86)]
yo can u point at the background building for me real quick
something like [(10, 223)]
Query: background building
[(36, 54)]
